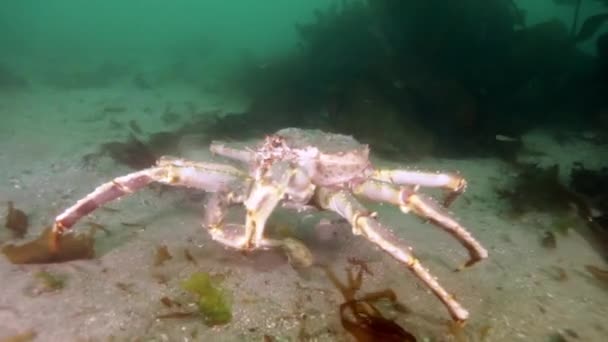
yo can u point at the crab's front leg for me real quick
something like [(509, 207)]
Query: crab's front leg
[(453, 183), (280, 181), (364, 223), (219, 148), (176, 172), (421, 205), (260, 197)]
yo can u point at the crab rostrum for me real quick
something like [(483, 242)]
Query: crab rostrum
[(301, 168)]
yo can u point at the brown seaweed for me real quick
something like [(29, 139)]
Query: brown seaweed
[(536, 189), (365, 322), (166, 301), (73, 246), (189, 256), (27, 336), (162, 255), (133, 153), (598, 273), (16, 221), (360, 263)]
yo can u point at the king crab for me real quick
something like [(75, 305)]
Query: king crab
[(301, 168)]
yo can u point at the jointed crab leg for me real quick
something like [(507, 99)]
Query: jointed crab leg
[(423, 206), (205, 176), (454, 183), (232, 153), (263, 196), (364, 223), (281, 181)]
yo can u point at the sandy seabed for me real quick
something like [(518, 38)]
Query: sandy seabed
[(523, 292)]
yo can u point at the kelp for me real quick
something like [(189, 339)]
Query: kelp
[(540, 189), (133, 153), (598, 273), (358, 314), (73, 246), (139, 153)]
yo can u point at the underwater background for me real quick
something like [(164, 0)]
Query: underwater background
[(511, 95)]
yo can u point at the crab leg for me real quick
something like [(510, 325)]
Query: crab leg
[(237, 236), (364, 223), (231, 153), (423, 206), (452, 182), (205, 176), (281, 181), (215, 210)]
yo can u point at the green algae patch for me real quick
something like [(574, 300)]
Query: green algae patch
[(213, 301), (52, 282)]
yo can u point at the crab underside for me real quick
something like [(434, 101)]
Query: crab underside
[(302, 169)]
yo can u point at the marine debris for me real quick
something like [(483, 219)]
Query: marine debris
[(16, 221), (358, 314), (74, 246)]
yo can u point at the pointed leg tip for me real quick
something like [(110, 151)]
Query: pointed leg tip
[(469, 263), (460, 316)]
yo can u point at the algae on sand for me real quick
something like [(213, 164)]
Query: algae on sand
[(213, 302)]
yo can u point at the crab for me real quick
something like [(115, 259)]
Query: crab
[(302, 169)]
